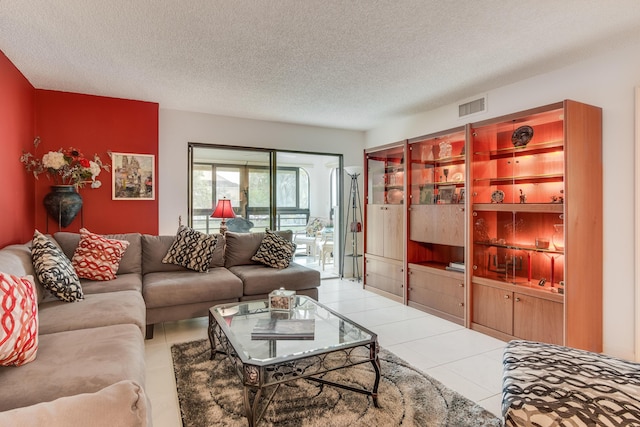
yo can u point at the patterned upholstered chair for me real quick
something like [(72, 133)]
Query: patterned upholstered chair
[(551, 385), (310, 236)]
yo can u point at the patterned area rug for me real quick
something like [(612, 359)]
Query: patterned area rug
[(210, 393)]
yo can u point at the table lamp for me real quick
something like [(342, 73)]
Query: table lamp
[(223, 210)]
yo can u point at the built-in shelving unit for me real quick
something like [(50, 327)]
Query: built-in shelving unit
[(496, 225)]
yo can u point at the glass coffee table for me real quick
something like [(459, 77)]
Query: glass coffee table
[(264, 364)]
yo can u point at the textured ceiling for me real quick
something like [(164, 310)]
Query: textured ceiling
[(339, 63)]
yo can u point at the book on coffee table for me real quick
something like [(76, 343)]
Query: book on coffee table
[(284, 329)]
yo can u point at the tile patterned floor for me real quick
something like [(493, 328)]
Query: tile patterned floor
[(464, 360)]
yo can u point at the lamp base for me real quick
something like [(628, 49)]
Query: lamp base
[(223, 227)]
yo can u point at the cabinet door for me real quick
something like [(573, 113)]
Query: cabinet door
[(493, 308), (440, 224), (537, 319), (386, 276), (375, 225), (392, 232), (437, 291)]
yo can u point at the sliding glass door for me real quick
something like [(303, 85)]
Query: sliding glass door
[(279, 190)]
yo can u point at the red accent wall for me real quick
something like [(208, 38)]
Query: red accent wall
[(16, 134), (95, 125)]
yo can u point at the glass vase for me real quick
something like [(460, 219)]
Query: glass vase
[(558, 237)]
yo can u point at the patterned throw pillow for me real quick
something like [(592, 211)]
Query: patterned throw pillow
[(54, 270), (191, 249), (96, 257), (19, 326), (275, 251)]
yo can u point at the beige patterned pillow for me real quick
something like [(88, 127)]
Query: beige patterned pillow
[(275, 251), (191, 249)]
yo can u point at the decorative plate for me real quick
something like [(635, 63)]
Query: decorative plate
[(497, 196), (457, 177), (522, 136)]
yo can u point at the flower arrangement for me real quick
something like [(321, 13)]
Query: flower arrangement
[(65, 166)]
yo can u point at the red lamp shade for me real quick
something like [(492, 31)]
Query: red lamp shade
[(223, 209)]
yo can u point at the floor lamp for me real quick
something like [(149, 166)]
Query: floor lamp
[(353, 223)]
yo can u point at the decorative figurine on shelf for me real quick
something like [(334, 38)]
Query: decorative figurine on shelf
[(523, 197), (445, 150), (558, 199)]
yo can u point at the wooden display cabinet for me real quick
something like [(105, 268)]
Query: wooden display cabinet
[(384, 221), (436, 223), (536, 225)]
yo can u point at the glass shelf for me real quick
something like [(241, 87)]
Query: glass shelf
[(522, 179), (543, 147), (529, 248), (520, 207), (454, 160)]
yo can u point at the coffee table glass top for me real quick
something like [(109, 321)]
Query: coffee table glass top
[(331, 332)]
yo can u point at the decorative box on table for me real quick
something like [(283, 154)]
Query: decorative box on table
[(282, 299)]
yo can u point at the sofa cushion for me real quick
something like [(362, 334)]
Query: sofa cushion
[(260, 280), (54, 270), (111, 308), (122, 282), (186, 287), (19, 327), (154, 249), (191, 249), (121, 404), (16, 260), (131, 260), (96, 257), (67, 365), (241, 247), (275, 251)]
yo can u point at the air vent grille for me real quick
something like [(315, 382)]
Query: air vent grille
[(472, 107)]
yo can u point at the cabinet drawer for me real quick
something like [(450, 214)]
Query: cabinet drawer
[(384, 283), (439, 292), (433, 282), (386, 269)]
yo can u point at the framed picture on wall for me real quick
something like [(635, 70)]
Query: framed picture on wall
[(133, 176)]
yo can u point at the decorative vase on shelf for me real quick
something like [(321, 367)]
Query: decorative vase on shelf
[(558, 237), (63, 204)]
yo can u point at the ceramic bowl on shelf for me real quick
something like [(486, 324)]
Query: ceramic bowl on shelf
[(542, 243), (395, 196)]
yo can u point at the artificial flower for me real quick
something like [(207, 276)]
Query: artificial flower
[(65, 166)]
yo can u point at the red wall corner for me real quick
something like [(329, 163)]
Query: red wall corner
[(16, 134), (96, 125)]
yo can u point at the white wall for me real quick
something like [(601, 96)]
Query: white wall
[(607, 81), (178, 128)]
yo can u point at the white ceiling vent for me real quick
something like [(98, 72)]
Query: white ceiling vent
[(472, 107)]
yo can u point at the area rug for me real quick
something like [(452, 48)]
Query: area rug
[(210, 393)]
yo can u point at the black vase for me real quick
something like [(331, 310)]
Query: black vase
[(63, 204)]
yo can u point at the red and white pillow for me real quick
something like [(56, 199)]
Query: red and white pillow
[(19, 325), (96, 257)]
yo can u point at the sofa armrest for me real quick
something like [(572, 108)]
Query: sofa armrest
[(121, 404)]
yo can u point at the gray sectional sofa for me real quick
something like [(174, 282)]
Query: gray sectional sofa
[(92, 351)]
